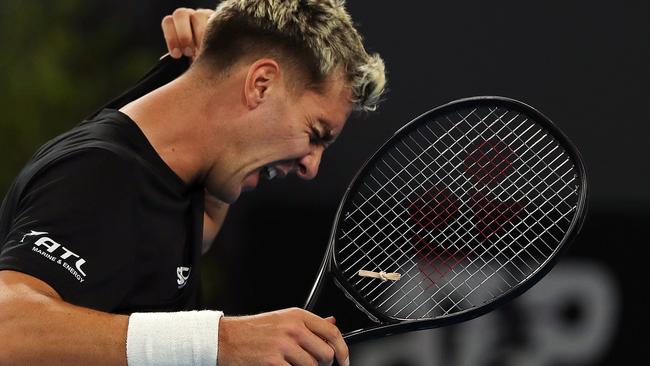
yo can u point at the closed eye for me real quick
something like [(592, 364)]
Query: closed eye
[(321, 138), (314, 137)]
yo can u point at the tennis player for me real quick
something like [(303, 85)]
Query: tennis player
[(102, 231)]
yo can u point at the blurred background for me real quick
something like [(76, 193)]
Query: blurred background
[(585, 64)]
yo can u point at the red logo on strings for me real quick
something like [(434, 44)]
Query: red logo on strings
[(488, 162)]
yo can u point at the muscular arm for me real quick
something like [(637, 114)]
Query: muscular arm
[(38, 328)]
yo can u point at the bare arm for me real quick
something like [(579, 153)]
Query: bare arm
[(38, 328), (285, 337)]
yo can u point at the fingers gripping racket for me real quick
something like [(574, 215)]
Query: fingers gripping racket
[(462, 209)]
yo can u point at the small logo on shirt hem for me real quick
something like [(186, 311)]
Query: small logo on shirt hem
[(183, 274)]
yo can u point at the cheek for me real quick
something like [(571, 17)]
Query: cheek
[(292, 136), (299, 145)]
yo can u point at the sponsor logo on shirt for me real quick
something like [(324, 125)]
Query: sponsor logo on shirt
[(57, 253), (183, 274)]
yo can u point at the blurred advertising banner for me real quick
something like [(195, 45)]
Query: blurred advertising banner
[(568, 318)]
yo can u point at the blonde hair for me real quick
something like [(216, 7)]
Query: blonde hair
[(315, 35)]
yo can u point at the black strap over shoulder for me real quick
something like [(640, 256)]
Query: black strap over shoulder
[(164, 71)]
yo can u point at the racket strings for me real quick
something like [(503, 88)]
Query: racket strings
[(373, 178), (390, 181), (477, 170), (480, 269), (396, 174), (376, 209), (408, 164), (472, 288)]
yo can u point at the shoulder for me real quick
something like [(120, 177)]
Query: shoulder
[(91, 163), (96, 160), (83, 174)]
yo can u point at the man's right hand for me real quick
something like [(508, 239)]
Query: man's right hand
[(286, 337)]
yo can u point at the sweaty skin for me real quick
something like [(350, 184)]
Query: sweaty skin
[(38, 327)]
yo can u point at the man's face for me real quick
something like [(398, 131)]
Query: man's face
[(290, 133)]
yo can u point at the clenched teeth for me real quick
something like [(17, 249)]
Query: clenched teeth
[(269, 172)]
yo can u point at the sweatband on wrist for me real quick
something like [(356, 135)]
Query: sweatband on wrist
[(173, 339)]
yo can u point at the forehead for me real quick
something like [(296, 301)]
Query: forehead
[(333, 102)]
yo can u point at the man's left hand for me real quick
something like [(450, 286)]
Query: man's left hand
[(183, 31)]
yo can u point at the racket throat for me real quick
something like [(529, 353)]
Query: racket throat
[(370, 316)]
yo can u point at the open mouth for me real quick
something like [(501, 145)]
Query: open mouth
[(269, 172)]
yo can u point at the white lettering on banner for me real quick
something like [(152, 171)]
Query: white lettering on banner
[(569, 317), (57, 253)]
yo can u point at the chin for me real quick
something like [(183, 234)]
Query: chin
[(229, 191), (230, 200), (227, 196), (231, 197)]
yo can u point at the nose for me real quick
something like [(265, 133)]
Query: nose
[(308, 164)]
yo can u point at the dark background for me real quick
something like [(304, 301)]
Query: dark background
[(583, 63)]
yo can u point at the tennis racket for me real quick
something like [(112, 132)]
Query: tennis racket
[(462, 209)]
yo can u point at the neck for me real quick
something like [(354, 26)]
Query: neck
[(180, 120)]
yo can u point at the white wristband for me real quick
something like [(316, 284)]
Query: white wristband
[(174, 339)]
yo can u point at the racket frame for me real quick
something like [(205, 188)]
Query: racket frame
[(386, 325)]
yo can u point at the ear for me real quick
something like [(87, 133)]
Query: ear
[(263, 76)]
